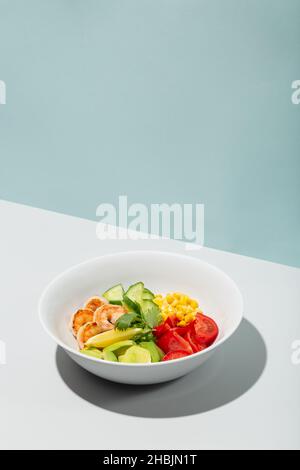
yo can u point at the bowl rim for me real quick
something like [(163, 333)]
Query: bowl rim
[(215, 345)]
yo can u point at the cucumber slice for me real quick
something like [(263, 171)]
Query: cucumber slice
[(114, 295), (130, 305), (133, 297), (147, 294), (135, 293)]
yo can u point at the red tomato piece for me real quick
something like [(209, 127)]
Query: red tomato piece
[(161, 329), (205, 329), (190, 338), (182, 330), (169, 323), (172, 341), (174, 355)]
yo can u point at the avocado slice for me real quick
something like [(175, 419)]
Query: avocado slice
[(135, 355), (120, 347), (109, 356), (155, 352), (93, 352)]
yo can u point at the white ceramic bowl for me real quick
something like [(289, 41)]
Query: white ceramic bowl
[(161, 272)]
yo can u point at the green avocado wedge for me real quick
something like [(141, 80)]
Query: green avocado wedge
[(120, 347), (92, 352), (136, 355), (155, 352), (109, 356)]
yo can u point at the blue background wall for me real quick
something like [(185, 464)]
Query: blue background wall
[(162, 100)]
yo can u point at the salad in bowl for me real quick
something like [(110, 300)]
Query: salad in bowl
[(139, 326), (141, 332)]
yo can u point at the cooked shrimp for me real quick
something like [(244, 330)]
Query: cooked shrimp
[(95, 302), (82, 316), (107, 315), (87, 331)]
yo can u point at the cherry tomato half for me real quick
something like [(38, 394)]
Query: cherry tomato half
[(161, 329), (171, 341), (205, 329), (171, 321), (191, 339), (174, 355), (182, 330), (164, 327)]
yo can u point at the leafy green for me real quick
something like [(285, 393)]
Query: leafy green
[(144, 336), (126, 321), (151, 313), (142, 312)]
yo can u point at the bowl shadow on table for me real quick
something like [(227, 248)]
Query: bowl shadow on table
[(226, 376)]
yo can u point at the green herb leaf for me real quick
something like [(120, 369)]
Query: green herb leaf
[(126, 321), (144, 336), (151, 313), (131, 305)]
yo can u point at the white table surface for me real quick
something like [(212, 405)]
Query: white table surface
[(246, 396)]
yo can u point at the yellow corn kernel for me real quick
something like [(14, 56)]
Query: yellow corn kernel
[(189, 317), (179, 305), (179, 316)]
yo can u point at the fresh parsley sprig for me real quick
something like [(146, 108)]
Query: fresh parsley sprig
[(127, 321), (147, 318), (144, 336)]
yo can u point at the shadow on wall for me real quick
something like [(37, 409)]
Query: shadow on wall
[(227, 375)]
